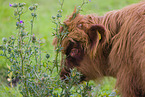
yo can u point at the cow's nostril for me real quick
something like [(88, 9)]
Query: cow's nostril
[(64, 73)]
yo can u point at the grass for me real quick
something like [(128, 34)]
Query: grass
[(43, 28)]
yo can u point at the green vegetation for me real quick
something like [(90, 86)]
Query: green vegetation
[(43, 28)]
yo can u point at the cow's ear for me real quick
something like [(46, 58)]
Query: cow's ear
[(96, 34)]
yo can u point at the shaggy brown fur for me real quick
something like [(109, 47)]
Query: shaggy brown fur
[(120, 52)]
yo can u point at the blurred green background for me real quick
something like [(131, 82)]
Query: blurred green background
[(43, 26)]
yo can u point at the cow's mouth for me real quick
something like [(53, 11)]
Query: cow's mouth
[(65, 74)]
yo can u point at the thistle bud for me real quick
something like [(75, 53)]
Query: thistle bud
[(53, 17), (59, 16), (32, 8), (4, 40), (47, 56), (22, 4), (33, 14)]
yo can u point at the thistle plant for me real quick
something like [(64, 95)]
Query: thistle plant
[(22, 51)]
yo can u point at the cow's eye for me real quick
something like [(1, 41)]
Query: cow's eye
[(74, 52)]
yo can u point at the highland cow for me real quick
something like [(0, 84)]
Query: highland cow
[(109, 45)]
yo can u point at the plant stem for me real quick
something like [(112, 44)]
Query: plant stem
[(58, 24), (30, 35), (20, 40), (35, 55), (56, 59), (39, 56), (25, 84)]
